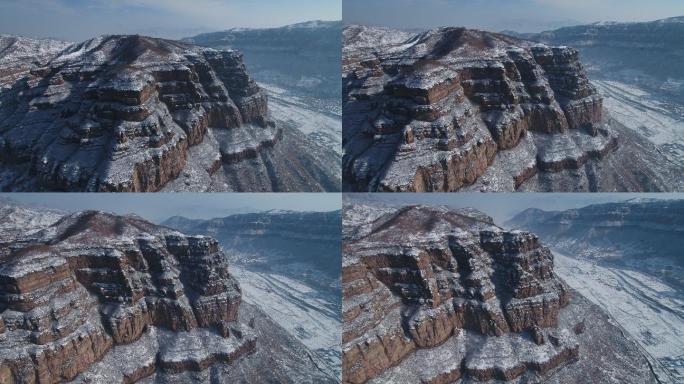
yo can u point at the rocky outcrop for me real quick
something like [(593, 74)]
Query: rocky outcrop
[(94, 297), (418, 278), (133, 113), (289, 264), (452, 108), (121, 112)]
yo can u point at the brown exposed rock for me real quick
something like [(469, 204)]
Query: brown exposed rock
[(417, 277), (538, 335), (432, 111), (84, 286), (120, 113)]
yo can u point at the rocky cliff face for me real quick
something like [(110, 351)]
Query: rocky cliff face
[(452, 108), (434, 295), (417, 277), (94, 297), (132, 113)]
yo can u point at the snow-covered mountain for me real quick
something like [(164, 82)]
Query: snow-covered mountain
[(93, 297), (637, 69), (440, 295), (462, 109), (22, 49), (108, 114)]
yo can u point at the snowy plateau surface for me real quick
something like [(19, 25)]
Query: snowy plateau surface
[(651, 311)]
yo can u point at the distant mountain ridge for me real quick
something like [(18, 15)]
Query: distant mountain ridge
[(644, 53), (279, 237), (304, 56), (634, 232)]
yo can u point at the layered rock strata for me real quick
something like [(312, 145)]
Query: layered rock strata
[(418, 278), (94, 297), (123, 113), (452, 107)]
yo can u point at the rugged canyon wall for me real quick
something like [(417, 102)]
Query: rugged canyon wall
[(94, 297), (417, 277), (119, 113), (133, 113), (438, 295), (452, 108)]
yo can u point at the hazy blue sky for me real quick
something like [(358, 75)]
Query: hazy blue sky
[(76, 20), (498, 15), (503, 206), (160, 206)]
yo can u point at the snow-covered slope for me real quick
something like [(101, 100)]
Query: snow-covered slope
[(651, 311), (19, 55), (15, 49), (358, 37), (625, 257), (306, 313), (659, 120)]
